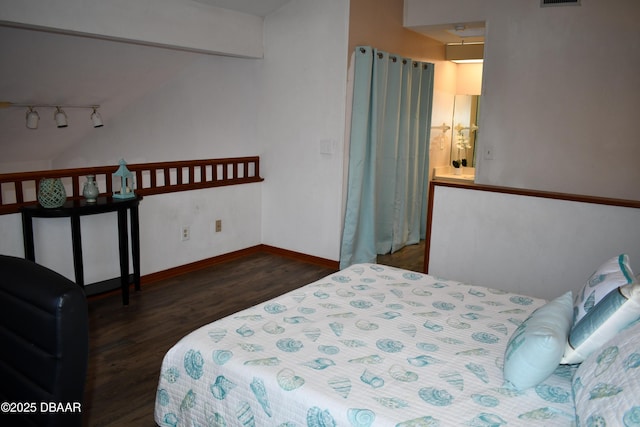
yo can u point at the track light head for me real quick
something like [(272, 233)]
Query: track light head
[(60, 118), (96, 119), (32, 118)]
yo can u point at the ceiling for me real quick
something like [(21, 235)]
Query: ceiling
[(253, 7), (467, 32)]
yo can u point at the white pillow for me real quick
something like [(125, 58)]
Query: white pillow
[(606, 385), (536, 347)]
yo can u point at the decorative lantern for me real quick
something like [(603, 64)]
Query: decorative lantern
[(126, 182)]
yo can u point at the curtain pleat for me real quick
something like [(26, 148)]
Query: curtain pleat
[(388, 155)]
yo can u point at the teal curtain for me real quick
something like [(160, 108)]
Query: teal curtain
[(388, 155)]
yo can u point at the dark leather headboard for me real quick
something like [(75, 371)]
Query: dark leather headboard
[(44, 341)]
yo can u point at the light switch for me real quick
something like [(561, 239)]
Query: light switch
[(488, 152), (326, 146)]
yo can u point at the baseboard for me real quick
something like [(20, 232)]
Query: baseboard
[(198, 265), (324, 262)]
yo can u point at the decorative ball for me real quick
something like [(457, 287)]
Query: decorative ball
[(51, 193)]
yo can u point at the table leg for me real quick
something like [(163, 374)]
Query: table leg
[(124, 255), (76, 240), (135, 246), (27, 236)]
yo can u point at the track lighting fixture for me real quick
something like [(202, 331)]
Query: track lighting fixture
[(32, 119), (60, 117), (96, 119)]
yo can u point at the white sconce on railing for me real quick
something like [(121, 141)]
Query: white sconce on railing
[(60, 117)]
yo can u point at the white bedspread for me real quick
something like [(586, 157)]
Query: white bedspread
[(368, 346)]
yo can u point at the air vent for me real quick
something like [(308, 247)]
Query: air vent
[(544, 3)]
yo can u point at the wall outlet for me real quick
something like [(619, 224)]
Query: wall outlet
[(218, 225), (185, 233)]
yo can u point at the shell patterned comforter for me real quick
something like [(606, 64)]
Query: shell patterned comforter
[(370, 345)]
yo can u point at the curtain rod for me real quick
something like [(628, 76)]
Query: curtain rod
[(395, 58)]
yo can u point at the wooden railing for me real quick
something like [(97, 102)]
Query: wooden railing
[(20, 189)]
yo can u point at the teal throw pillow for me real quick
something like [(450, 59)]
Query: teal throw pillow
[(537, 345)]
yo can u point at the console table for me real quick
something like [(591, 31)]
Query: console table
[(74, 209)]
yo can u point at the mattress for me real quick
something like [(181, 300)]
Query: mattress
[(370, 345)]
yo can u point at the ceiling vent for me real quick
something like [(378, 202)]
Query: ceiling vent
[(544, 3)]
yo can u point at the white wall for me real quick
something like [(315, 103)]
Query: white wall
[(302, 109), (469, 79), (209, 110), (528, 245), (559, 86), (184, 24), (283, 108), (11, 235), (56, 68), (237, 206)]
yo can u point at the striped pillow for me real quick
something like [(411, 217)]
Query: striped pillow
[(608, 302)]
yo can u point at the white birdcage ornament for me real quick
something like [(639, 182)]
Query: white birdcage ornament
[(126, 182)]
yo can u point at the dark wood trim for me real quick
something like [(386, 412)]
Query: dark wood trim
[(310, 259), (110, 287), (231, 175), (198, 265), (539, 193), (427, 240), (514, 191)]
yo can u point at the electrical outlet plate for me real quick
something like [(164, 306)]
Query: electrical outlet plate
[(218, 225), (185, 233)]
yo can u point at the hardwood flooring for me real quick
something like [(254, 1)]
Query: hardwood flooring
[(127, 344), (409, 257)]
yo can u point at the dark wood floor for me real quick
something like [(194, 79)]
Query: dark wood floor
[(409, 257), (127, 343)]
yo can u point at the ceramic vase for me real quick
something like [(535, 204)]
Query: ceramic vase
[(90, 190), (51, 193)]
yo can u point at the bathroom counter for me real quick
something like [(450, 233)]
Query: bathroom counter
[(448, 173)]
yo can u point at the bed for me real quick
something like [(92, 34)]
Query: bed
[(370, 345)]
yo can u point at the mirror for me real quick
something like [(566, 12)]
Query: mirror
[(464, 130)]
